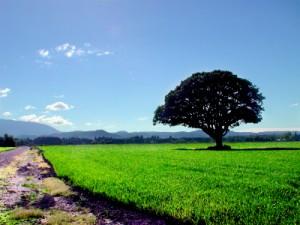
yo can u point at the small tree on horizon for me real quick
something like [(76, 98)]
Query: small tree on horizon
[(212, 101)]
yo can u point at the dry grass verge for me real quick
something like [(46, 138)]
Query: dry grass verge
[(56, 187), (21, 213), (61, 218)]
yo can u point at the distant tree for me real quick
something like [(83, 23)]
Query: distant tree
[(212, 101), (7, 141), (47, 141), (288, 136)]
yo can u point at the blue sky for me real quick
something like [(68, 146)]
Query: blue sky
[(107, 64)]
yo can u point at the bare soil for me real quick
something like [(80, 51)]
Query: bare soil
[(22, 174)]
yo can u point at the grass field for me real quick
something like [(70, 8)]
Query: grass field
[(2, 149), (212, 187)]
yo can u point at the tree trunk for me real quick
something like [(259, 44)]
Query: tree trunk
[(219, 142)]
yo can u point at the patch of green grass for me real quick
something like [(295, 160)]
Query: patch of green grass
[(212, 187), (2, 149)]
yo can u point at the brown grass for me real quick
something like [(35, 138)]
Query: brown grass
[(21, 213), (56, 187), (62, 218)]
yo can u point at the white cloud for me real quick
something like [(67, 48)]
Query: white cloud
[(143, 118), (53, 120), (6, 114), (58, 106), (31, 117), (43, 52), (70, 50), (28, 107), (62, 47), (105, 53), (89, 124), (70, 53), (80, 52), (4, 92), (295, 105), (47, 57)]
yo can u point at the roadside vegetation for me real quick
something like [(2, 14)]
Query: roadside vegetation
[(247, 185), (2, 149), (29, 195)]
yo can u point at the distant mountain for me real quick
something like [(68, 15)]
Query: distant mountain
[(125, 134), (23, 129), (180, 134), (86, 134), (146, 134)]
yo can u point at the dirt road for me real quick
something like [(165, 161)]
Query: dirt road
[(7, 156)]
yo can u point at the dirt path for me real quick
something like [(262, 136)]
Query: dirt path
[(27, 185), (7, 156)]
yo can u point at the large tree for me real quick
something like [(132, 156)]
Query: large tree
[(212, 101)]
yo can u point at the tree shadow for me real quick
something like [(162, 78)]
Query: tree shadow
[(237, 149)]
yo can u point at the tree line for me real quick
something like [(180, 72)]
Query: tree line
[(7, 141), (287, 136)]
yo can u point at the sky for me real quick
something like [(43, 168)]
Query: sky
[(108, 64)]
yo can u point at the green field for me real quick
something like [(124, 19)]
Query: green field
[(2, 149), (212, 187)]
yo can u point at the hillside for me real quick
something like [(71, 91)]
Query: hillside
[(21, 129), (25, 129), (86, 134), (148, 134)]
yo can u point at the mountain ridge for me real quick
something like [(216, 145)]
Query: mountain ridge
[(148, 134), (22, 129), (25, 129)]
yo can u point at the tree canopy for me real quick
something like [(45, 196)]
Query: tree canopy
[(212, 101)]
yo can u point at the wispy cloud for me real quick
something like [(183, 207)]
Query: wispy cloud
[(59, 106), (43, 53), (90, 124), (295, 105), (70, 51), (62, 48), (4, 92), (53, 120), (28, 107), (6, 114)]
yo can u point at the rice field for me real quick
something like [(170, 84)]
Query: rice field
[(190, 186)]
